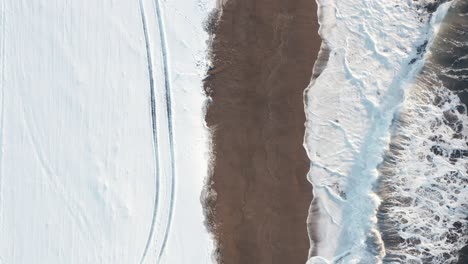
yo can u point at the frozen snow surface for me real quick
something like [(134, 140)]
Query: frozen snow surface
[(376, 49), (103, 149)]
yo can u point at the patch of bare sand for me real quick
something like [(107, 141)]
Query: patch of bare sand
[(263, 55)]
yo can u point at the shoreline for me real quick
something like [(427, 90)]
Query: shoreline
[(263, 54), (320, 64)]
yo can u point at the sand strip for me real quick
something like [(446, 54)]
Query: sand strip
[(264, 51)]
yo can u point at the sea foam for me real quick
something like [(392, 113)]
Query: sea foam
[(423, 217), (375, 50)]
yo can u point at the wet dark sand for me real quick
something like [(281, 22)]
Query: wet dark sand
[(264, 51)]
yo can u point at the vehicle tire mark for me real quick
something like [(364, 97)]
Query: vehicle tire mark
[(154, 128), (168, 94), (2, 121), (168, 89)]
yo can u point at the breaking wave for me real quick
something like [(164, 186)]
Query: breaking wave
[(424, 213), (377, 134)]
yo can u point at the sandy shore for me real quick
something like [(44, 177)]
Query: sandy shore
[(264, 51)]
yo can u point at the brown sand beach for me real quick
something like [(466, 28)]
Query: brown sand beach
[(263, 54)]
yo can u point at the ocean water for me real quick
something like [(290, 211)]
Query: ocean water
[(385, 133), (424, 211)]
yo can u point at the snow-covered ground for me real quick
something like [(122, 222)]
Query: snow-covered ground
[(84, 177)]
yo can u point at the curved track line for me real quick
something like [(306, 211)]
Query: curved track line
[(167, 84), (154, 128), (2, 124)]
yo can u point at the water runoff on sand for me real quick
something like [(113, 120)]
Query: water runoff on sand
[(423, 217)]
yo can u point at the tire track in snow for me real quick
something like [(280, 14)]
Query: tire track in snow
[(2, 131), (168, 98), (154, 128), (167, 85)]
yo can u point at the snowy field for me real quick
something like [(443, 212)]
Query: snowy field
[(103, 151)]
